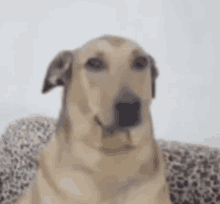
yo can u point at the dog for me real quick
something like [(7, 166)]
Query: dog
[(104, 151)]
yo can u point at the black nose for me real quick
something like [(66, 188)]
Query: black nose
[(127, 114)]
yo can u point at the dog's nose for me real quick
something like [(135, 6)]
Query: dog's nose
[(127, 114), (127, 111)]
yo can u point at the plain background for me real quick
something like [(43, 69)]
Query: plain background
[(183, 37)]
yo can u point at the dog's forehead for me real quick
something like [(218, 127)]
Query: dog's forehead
[(109, 44)]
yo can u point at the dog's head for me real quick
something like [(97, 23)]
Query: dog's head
[(112, 77)]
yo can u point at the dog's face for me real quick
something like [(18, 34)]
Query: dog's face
[(110, 77)]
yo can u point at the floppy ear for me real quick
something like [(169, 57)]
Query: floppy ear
[(154, 75), (59, 71)]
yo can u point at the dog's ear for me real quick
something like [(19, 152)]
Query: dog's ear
[(59, 71), (154, 75)]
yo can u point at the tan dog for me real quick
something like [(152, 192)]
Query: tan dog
[(104, 151)]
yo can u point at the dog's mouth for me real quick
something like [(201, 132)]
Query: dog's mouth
[(116, 141), (116, 137)]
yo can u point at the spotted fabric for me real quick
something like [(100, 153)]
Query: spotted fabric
[(194, 169)]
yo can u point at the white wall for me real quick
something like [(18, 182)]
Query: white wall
[(183, 37)]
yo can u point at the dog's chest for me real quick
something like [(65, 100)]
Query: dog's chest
[(81, 188), (137, 190), (72, 188)]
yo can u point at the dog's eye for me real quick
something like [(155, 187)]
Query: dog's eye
[(95, 64), (140, 63), (60, 64)]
